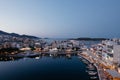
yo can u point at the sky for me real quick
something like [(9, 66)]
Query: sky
[(61, 18)]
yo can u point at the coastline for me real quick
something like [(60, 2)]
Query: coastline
[(91, 62)]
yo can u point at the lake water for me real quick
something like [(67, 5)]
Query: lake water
[(44, 68)]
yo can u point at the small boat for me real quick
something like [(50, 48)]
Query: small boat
[(37, 57), (93, 77), (50, 55), (90, 67), (92, 72), (85, 61), (68, 55), (80, 57)]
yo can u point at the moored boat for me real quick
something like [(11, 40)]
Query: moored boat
[(92, 72), (93, 77)]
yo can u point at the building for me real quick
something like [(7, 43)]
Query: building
[(116, 54)]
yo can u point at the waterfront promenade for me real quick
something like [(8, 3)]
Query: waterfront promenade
[(95, 60)]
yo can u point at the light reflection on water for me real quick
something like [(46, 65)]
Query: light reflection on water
[(44, 68)]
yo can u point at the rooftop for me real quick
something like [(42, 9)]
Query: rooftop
[(113, 73)]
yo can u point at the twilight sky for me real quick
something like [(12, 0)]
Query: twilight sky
[(61, 18)]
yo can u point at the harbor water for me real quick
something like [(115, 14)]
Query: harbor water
[(44, 68)]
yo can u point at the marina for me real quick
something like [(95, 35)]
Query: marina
[(59, 39), (64, 49), (39, 67)]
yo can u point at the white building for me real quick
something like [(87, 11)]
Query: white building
[(116, 54)]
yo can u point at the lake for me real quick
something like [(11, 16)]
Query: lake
[(44, 68)]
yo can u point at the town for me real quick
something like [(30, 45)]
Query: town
[(105, 55)]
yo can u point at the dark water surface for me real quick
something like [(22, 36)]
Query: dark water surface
[(45, 68)]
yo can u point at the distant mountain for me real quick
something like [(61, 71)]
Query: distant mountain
[(18, 35), (89, 39), (29, 36)]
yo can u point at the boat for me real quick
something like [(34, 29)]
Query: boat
[(68, 55), (50, 55), (92, 72), (80, 57), (93, 77), (90, 67), (37, 57), (85, 61)]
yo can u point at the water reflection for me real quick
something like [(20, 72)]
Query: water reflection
[(8, 58), (48, 66), (37, 56)]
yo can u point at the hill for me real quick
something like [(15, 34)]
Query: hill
[(17, 35)]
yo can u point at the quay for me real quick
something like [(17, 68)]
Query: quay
[(90, 62), (104, 73)]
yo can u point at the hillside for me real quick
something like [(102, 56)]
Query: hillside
[(17, 35)]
